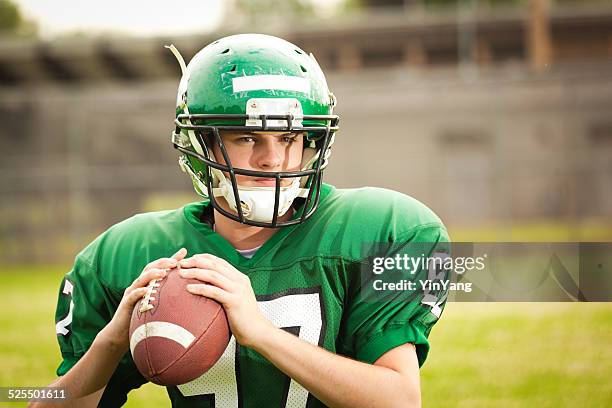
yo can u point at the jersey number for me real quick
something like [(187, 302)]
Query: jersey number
[(301, 310)]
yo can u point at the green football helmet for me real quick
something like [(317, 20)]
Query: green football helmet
[(251, 83)]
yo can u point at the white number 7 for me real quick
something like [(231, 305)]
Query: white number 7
[(301, 310)]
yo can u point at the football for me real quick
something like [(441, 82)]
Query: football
[(176, 336)]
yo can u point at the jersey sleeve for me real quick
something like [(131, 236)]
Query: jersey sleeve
[(85, 305), (379, 318)]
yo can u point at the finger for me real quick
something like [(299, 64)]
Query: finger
[(209, 276), (205, 259), (134, 296), (208, 261), (162, 263), (192, 262), (180, 254), (147, 276), (209, 291), (220, 261), (230, 270)]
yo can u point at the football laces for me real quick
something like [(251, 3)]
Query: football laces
[(147, 301)]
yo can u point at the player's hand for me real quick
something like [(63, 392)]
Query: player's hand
[(232, 288), (117, 330)]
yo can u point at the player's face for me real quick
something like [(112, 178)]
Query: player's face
[(262, 151)]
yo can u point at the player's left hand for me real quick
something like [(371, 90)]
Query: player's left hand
[(232, 288)]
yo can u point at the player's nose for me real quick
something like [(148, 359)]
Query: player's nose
[(270, 155)]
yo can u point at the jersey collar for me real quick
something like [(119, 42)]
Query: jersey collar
[(193, 214)]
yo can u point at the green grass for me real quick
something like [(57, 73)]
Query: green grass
[(483, 355), (520, 355)]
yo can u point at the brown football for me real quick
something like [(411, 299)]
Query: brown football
[(176, 336)]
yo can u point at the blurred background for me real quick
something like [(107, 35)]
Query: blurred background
[(495, 113)]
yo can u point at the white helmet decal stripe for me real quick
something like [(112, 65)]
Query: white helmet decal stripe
[(276, 82)]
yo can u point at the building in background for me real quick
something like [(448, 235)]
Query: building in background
[(495, 117)]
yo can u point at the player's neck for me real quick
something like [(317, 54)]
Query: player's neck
[(241, 236)]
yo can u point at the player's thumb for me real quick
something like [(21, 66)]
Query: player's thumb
[(180, 254)]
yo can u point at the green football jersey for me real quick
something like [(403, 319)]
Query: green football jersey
[(308, 280)]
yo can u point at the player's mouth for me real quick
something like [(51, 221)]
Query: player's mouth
[(268, 182), (271, 182)]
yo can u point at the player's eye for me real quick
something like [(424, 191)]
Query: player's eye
[(289, 139), (246, 139)]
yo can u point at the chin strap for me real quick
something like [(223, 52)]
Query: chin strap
[(257, 203)]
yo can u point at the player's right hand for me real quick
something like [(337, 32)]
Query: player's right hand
[(116, 331)]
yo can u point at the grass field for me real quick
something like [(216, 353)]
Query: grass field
[(483, 355)]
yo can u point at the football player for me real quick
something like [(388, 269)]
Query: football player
[(282, 251)]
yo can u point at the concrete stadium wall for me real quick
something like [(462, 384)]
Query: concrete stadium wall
[(477, 147)]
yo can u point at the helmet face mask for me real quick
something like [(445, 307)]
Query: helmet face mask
[(254, 83)]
